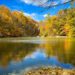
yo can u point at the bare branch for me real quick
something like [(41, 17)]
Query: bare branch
[(45, 5), (50, 6)]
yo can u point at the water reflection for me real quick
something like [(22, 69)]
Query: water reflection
[(63, 49), (14, 52), (53, 52)]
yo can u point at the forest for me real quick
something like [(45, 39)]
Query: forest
[(16, 24), (62, 24)]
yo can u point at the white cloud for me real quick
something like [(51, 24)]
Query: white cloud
[(54, 3), (31, 15), (45, 15), (64, 1), (36, 16), (44, 3), (35, 2), (26, 14)]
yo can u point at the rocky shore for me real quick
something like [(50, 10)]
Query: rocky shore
[(50, 71)]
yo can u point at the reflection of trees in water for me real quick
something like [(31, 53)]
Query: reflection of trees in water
[(71, 53), (63, 49), (14, 51)]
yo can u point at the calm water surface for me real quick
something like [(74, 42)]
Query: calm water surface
[(19, 54)]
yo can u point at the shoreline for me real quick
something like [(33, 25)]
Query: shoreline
[(50, 71), (33, 38)]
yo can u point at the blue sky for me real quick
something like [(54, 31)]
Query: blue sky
[(34, 8)]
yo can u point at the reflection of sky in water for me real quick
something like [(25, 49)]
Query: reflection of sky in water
[(38, 58)]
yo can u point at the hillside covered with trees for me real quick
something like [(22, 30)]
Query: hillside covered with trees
[(62, 24), (16, 24)]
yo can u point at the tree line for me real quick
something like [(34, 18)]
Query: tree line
[(15, 24), (62, 24)]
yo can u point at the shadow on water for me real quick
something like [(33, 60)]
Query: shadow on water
[(15, 57)]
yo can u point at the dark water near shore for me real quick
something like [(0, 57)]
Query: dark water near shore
[(17, 55)]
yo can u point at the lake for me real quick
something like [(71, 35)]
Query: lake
[(19, 54)]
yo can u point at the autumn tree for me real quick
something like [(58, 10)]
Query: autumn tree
[(16, 24)]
